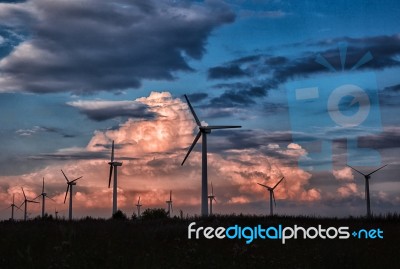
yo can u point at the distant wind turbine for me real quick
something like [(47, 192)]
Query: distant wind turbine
[(56, 213), (271, 195), (138, 205), (114, 166), (203, 131), (211, 197), (44, 196), (70, 184), (367, 178), (13, 205), (25, 202), (169, 203)]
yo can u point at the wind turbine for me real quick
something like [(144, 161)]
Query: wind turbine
[(169, 203), (138, 205), (367, 178), (44, 196), (114, 165), (211, 197), (25, 202), (13, 205), (203, 132), (271, 195), (70, 184), (56, 213)]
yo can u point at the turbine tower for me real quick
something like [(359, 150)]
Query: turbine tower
[(114, 166), (138, 205), (169, 203), (203, 132), (367, 177), (25, 202), (44, 196), (271, 195), (70, 184), (13, 205), (211, 197)]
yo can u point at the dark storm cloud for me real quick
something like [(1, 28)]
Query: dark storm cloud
[(276, 70), (197, 97), (388, 139), (105, 110), (226, 72), (89, 46)]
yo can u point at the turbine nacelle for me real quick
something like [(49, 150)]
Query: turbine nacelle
[(115, 163)]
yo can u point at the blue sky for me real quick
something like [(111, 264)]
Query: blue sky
[(74, 75)]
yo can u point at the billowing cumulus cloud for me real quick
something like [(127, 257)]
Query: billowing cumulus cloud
[(343, 174), (92, 45), (152, 151)]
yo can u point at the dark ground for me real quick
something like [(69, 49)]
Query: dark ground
[(164, 243)]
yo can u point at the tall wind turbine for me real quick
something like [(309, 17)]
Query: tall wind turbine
[(203, 132), (44, 196), (367, 178), (169, 203), (25, 202), (70, 184), (271, 195), (114, 164), (13, 205), (138, 205), (211, 197)]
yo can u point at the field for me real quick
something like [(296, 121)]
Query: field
[(164, 243)]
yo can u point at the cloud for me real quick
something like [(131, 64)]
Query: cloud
[(345, 174), (151, 151), (100, 110), (41, 129), (276, 70), (349, 189), (89, 46), (229, 72)]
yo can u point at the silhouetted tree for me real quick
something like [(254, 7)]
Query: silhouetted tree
[(119, 215), (154, 213)]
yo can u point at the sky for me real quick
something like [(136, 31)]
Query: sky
[(314, 85)]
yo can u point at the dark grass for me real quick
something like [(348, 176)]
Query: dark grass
[(163, 243)]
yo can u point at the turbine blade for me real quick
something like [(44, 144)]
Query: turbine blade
[(214, 199), (43, 186), (109, 178), (212, 127), (212, 189), (13, 198), (22, 203), (170, 195), (192, 146), (76, 179), (65, 175), (23, 192), (377, 170), (30, 201), (278, 183), (265, 186), (51, 199), (138, 201), (356, 170), (192, 110), (38, 196), (66, 193), (112, 152)]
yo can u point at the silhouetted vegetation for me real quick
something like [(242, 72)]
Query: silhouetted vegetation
[(154, 213), (154, 242), (119, 215)]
